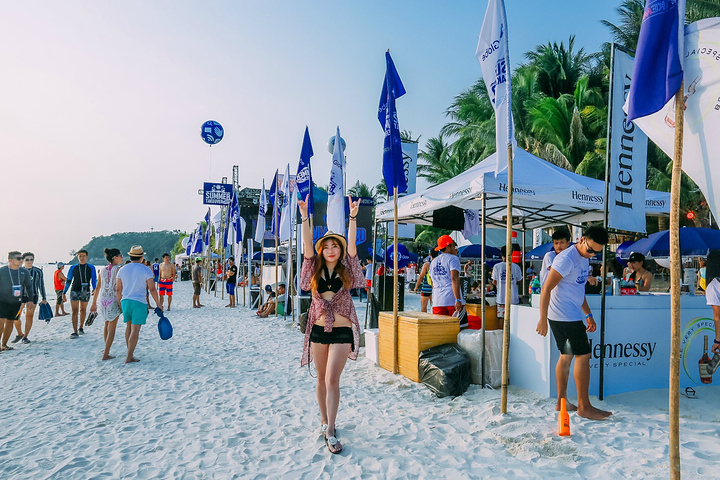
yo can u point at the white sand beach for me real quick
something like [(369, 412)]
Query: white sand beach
[(226, 398)]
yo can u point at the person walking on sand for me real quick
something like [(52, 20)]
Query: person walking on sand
[(563, 305), (79, 280), (14, 280), (31, 297), (168, 272), (424, 284), (197, 283), (231, 281), (134, 280), (109, 305), (59, 285), (156, 271), (330, 270)]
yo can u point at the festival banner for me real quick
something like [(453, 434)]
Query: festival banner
[(628, 155), (304, 173), (260, 228), (410, 155), (336, 190), (493, 53), (701, 141), (285, 209), (392, 89), (273, 201), (217, 193)]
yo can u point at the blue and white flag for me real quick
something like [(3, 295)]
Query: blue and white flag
[(628, 154), (234, 220), (336, 190), (285, 227), (701, 141), (206, 239), (273, 201), (493, 53), (304, 173), (198, 240), (393, 171), (217, 225), (190, 243), (658, 70), (262, 209)]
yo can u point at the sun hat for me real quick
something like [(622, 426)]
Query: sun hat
[(636, 257), (340, 239), (136, 251), (443, 242)]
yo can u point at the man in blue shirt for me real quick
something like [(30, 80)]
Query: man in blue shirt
[(563, 305)]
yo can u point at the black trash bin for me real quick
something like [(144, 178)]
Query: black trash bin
[(184, 275), (254, 295), (384, 291)]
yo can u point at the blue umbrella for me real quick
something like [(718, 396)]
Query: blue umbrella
[(693, 242), (538, 253), (623, 253), (475, 251)]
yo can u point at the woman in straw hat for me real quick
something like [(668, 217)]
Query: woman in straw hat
[(330, 270)]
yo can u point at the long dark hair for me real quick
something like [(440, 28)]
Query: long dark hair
[(339, 268), (712, 267)]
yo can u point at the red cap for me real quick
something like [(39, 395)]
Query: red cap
[(444, 241)]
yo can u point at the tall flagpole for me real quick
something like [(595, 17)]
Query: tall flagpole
[(508, 286), (675, 286), (275, 234), (395, 281)]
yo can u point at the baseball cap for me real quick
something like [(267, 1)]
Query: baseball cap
[(268, 288), (636, 257), (60, 264), (444, 241)]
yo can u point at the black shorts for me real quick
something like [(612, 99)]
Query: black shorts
[(426, 295), (10, 310), (196, 288), (337, 335), (571, 337), (59, 294), (35, 299)]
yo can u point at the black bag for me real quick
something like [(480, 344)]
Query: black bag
[(445, 370), (374, 312), (462, 315)]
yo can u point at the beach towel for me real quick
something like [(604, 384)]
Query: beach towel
[(45, 312)]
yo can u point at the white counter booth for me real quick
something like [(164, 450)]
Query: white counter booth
[(637, 345)]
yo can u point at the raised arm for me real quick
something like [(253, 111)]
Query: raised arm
[(307, 235), (352, 227)]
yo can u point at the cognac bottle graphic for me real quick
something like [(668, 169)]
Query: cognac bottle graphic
[(704, 364)]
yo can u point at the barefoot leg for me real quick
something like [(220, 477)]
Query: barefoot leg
[(582, 381)]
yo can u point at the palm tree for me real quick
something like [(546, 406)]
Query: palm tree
[(440, 162), (559, 68), (361, 189), (381, 193)]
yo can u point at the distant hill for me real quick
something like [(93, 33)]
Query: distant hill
[(154, 244)]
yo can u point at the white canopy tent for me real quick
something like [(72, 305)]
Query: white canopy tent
[(544, 195)]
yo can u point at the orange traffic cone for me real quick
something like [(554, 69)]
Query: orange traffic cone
[(563, 420)]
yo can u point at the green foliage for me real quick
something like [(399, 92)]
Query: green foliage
[(154, 244), (426, 237)]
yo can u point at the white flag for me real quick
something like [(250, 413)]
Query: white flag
[(701, 140), (336, 190), (493, 54), (285, 209), (217, 221), (628, 155), (260, 229)]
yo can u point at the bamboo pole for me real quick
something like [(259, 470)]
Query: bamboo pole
[(395, 281), (675, 287), (276, 233), (508, 286), (483, 280)]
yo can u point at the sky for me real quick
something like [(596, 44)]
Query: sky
[(101, 102)]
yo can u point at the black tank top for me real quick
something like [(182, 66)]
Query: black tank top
[(331, 283)]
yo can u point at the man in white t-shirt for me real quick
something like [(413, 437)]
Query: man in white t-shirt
[(498, 278), (560, 241), (563, 305), (445, 275), (134, 281)]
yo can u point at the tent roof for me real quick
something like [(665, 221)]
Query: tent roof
[(544, 195)]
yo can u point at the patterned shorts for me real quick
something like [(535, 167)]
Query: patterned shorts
[(165, 287)]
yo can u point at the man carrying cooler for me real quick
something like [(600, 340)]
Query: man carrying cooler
[(445, 275), (134, 280), (563, 305)]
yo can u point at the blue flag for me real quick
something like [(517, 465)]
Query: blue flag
[(198, 240), (206, 240), (191, 241), (393, 171), (304, 173), (658, 70), (273, 195)]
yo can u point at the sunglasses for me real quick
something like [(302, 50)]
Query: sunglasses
[(19, 259), (590, 250), (29, 259)]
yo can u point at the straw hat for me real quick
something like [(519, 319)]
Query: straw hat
[(340, 239), (136, 251)]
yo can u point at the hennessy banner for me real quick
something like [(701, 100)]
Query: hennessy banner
[(628, 155)]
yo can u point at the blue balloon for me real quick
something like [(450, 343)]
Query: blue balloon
[(212, 132)]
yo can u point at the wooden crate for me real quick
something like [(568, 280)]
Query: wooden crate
[(491, 320), (416, 332)]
